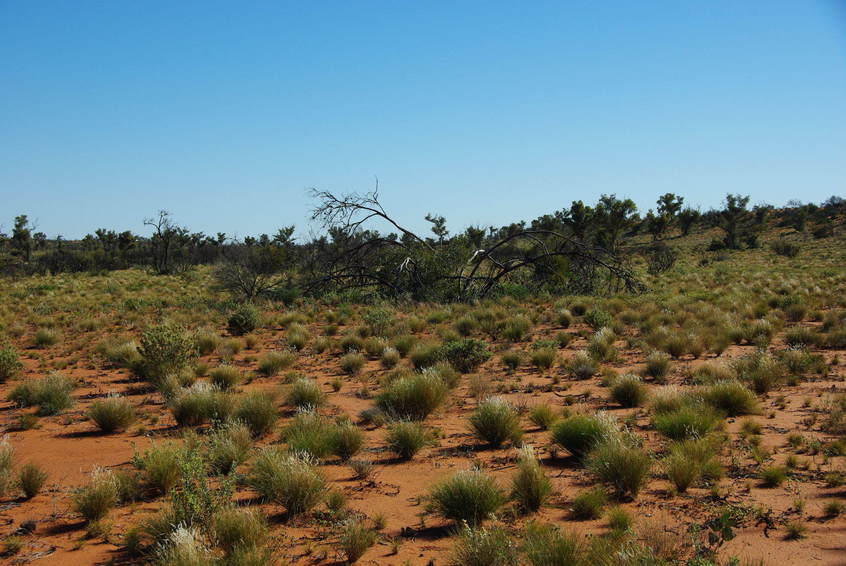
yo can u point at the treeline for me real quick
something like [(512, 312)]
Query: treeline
[(581, 248)]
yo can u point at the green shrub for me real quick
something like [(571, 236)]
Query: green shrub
[(7, 461), (351, 343), (619, 519), (494, 421), (352, 362), (347, 440), (31, 479), (95, 500), (52, 394), (530, 487), (407, 438), (274, 362), (588, 504), (243, 320), (620, 464), (601, 345), (544, 358), (629, 391), (199, 405), (165, 350), (773, 476), (484, 547), (390, 357), (10, 365), (425, 355), (414, 397), (657, 366), (542, 416), (161, 467), (688, 421), (235, 530), (206, 342), (582, 366), (578, 434), (228, 446), (516, 328), (731, 397), (291, 480), (465, 355), (598, 319), (46, 337), (511, 359), (355, 539), (547, 545), (257, 410), (112, 413), (297, 337), (404, 344), (690, 460), (305, 393), (466, 325), (309, 433), (226, 377), (468, 496)]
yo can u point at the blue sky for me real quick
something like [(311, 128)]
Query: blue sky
[(225, 113)]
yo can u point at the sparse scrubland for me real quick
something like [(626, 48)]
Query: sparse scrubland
[(696, 418)]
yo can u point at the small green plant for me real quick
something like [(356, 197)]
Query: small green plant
[(588, 504), (31, 479), (52, 394), (244, 319), (578, 434), (10, 364), (235, 529), (773, 476), (621, 464), (352, 362), (731, 397), (484, 547), (305, 393), (165, 350), (289, 479), (274, 362), (46, 337), (598, 319), (544, 358), (619, 520), (355, 539), (228, 446), (469, 496), (795, 529), (95, 500), (530, 487), (582, 366), (688, 421), (547, 545), (511, 359), (160, 465), (629, 391), (657, 366), (465, 355), (346, 439), (407, 438), (495, 421), (311, 434), (257, 410), (200, 404), (226, 377), (112, 413), (413, 397), (542, 416)]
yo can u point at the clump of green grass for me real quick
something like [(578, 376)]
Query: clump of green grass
[(582, 366), (257, 410), (690, 460), (542, 416), (95, 500), (45, 337), (544, 358), (619, 520), (165, 350), (10, 364), (112, 413), (484, 547), (244, 319), (200, 404), (588, 504), (413, 397), (424, 355), (657, 366), (226, 377), (274, 362), (773, 476), (621, 464), (578, 434), (465, 355), (355, 539), (352, 362), (31, 478), (288, 479), (407, 438), (495, 421), (688, 421), (52, 394), (228, 446), (731, 397), (547, 545), (511, 359), (530, 487), (629, 391), (305, 393), (346, 439), (161, 466), (309, 433), (469, 496)]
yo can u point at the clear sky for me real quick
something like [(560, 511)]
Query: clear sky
[(225, 113)]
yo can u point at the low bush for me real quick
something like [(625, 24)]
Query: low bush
[(200, 404), (10, 364), (407, 438), (310, 434), (544, 358), (274, 362), (731, 397), (346, 439), (352, 362), (46, 337), (424, 355), (165, 350), (469, 496), (161, 466), (52, 394), (495, 421), (690, 460), (657, 366), (355, 539), (547, 545), (257, 410), (95, 500), (530, 487), (305, 393), (689, 421), (235, 530), (578, 434), (511, 359), (228, 446), (244, 319), (31, 479), (773, 476), (226, 377), (112, 413), (598, 319), (621, 464), (288, 479), (588, 504), (629, 391), (465, 355), (582, 366), (413, 397), (543, 416), (484, 547)]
